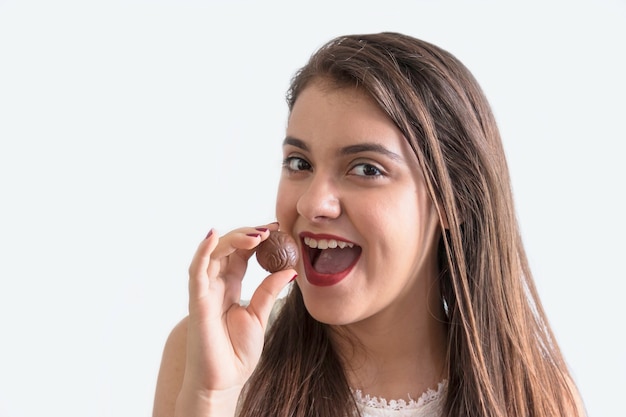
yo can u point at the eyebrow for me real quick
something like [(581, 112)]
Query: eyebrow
[(295, 142), (348, 150)]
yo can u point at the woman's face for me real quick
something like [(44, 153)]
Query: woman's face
[(352, 195)]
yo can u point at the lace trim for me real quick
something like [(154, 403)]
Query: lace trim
[(427, 397)]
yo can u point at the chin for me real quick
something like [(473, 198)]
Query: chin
[(335, 312)]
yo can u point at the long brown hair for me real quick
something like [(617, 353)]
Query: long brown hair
[(502, 356)]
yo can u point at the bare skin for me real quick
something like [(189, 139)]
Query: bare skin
[(211, 353)]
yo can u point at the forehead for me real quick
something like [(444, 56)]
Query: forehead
[(322, 111)]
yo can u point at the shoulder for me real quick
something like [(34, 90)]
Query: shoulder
[(176, 343), (171, 371)]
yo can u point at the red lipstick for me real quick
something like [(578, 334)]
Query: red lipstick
[(310, 256)]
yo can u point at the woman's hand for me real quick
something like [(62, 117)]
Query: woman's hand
[(225, 339)]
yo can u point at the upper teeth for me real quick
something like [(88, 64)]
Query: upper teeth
[(326, 243)]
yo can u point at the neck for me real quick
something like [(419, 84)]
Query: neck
[(398, 352)]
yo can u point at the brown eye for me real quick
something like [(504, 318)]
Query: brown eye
[(293, 163), (366, 170)]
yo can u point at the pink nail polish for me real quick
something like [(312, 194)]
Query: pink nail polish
[(294, 277), (253, 234), (262, 229), (209, 234)]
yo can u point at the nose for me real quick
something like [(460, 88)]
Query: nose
[(320, 200)]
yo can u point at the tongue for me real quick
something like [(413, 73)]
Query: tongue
[(333, 261)]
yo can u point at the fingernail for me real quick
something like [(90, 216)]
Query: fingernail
[(294, 277), (209, 234), (253, 234), (262, 229)]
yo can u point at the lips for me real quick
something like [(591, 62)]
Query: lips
[(328, 259)]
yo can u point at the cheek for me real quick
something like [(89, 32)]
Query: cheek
[(391, 213), (285, 205), (402, 219)]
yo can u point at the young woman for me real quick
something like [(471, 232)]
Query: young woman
[(413, 294)]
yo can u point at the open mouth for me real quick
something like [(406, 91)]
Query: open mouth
[(328, 261)]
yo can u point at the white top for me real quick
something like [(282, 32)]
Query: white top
[(429, 404)]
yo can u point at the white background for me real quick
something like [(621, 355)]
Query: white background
[(129, 128)]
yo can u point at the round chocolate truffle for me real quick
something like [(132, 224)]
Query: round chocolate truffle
[(279, 251)]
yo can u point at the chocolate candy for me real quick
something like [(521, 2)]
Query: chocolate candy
[(279, 251)]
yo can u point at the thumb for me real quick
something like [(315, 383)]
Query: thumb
[(265, 295)]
